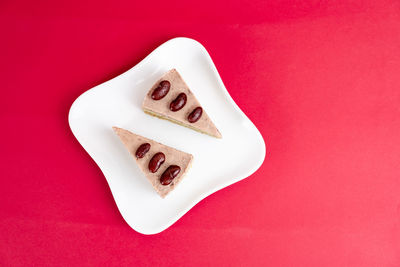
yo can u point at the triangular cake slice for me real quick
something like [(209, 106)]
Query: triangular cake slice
[(165, 100), (146, 152)]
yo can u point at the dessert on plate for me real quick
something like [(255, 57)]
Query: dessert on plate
[(162, 165), (170, 98)]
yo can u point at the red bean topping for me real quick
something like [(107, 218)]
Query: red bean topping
[(142, 150), (178, 103), (161, 91), (195, 115), (156, 161), (169, 174)]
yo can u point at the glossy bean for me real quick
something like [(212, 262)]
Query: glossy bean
[(195, 115), (178, 103), (142, 150), (156, 161), (169, 174), (161, 91)]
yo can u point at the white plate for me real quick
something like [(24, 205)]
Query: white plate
[(217, 162)]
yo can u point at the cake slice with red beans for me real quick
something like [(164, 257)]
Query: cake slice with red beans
[(170, 98), (162, 165)]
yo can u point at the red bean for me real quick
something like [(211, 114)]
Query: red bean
[(161, 91), (169, 174), (178, 103), (142, 150), (156, 161), (195, 115)]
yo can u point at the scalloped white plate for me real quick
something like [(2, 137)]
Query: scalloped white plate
[(217, 162)]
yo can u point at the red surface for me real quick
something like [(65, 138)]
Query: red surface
[(320, 79)]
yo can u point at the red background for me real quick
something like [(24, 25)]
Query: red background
[(320, 80)]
